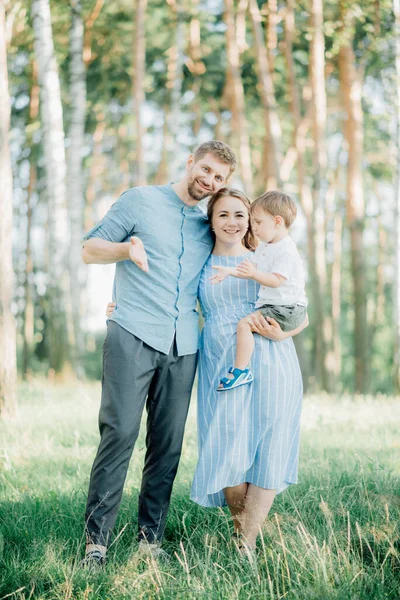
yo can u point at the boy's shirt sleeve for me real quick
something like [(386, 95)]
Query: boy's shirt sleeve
[(255, 258), (283, 265), (120, 221)]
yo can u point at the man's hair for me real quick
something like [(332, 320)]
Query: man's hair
[(276, 203), (219, 150)]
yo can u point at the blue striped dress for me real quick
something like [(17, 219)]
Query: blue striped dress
[(251, 433)]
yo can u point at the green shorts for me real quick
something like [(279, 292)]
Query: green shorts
[(289, 316)]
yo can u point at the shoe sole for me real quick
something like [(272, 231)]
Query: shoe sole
[(232, 387)]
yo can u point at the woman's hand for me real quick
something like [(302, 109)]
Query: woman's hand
[(137, 253), (270, 329), (267, 327), (110, 308)]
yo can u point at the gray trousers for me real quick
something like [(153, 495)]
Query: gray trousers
[(132, 372)]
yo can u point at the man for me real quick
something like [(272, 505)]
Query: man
[(152, 339)]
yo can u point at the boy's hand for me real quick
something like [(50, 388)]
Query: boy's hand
[(246, 270), (110, 308), (223, 273), (137, 254)]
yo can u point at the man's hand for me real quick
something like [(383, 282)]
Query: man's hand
[(223, 273), (110, 308), (246, 270), (137, 254), (267, 328)]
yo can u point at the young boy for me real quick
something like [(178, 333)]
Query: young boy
[(277, 266)]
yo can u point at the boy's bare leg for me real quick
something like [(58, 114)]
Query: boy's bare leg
[(244, 344)]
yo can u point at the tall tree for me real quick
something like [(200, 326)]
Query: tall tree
[(139, 52), (396, 10), (272, 123), (239, 121), (351, 89), (75, 185), (324, 352), (195, 65), (29, 311), (55, 182), (8, 360)]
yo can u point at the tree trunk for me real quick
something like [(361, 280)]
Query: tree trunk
[(241, 26), (162, 171), (8, 359), (75, 187), (239, 123), (272, 37), (351, 89), (396, 10), (272, 123), (196, 66), (175, 79), (28, 315), (138, 88), (335, 291), (29, 311), (55, 180), (324, 351), (96, 169), (299, 142), (91, 20)]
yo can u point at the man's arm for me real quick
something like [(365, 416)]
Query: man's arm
[(102, 252)]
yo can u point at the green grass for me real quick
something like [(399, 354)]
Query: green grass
[(333, 536)]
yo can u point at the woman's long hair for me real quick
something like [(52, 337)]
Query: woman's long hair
[(249, 239)]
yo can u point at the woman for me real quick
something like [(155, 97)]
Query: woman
[(249, 437)]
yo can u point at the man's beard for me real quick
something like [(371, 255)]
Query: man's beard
[(194, 194)]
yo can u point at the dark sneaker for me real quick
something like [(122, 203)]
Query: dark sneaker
[(94, 560)]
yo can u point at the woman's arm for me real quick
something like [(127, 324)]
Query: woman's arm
[(271, 329), (101, 252)]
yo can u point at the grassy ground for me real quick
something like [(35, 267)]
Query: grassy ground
[(333, 536)]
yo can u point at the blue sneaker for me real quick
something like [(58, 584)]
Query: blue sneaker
[(240, 377)]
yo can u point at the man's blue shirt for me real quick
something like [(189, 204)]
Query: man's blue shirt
[(155, 306)]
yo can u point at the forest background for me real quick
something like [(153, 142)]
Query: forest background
[(99, 96)]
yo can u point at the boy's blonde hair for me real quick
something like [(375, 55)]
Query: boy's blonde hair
[(276, 203)]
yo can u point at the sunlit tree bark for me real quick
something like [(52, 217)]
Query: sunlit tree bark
[(396, 10), (351, 89), (75, 185), (28, 315), (272, 123), (324, 353), (196, 66), (138, 88), (239, 121), (55, 180), (8, 360)]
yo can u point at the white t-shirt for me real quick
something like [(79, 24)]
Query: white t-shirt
[(284, 259)]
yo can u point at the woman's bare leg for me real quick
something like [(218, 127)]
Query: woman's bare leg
[(257, 506), (235, 498)]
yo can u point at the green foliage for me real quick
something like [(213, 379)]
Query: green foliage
[(109, 101)]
